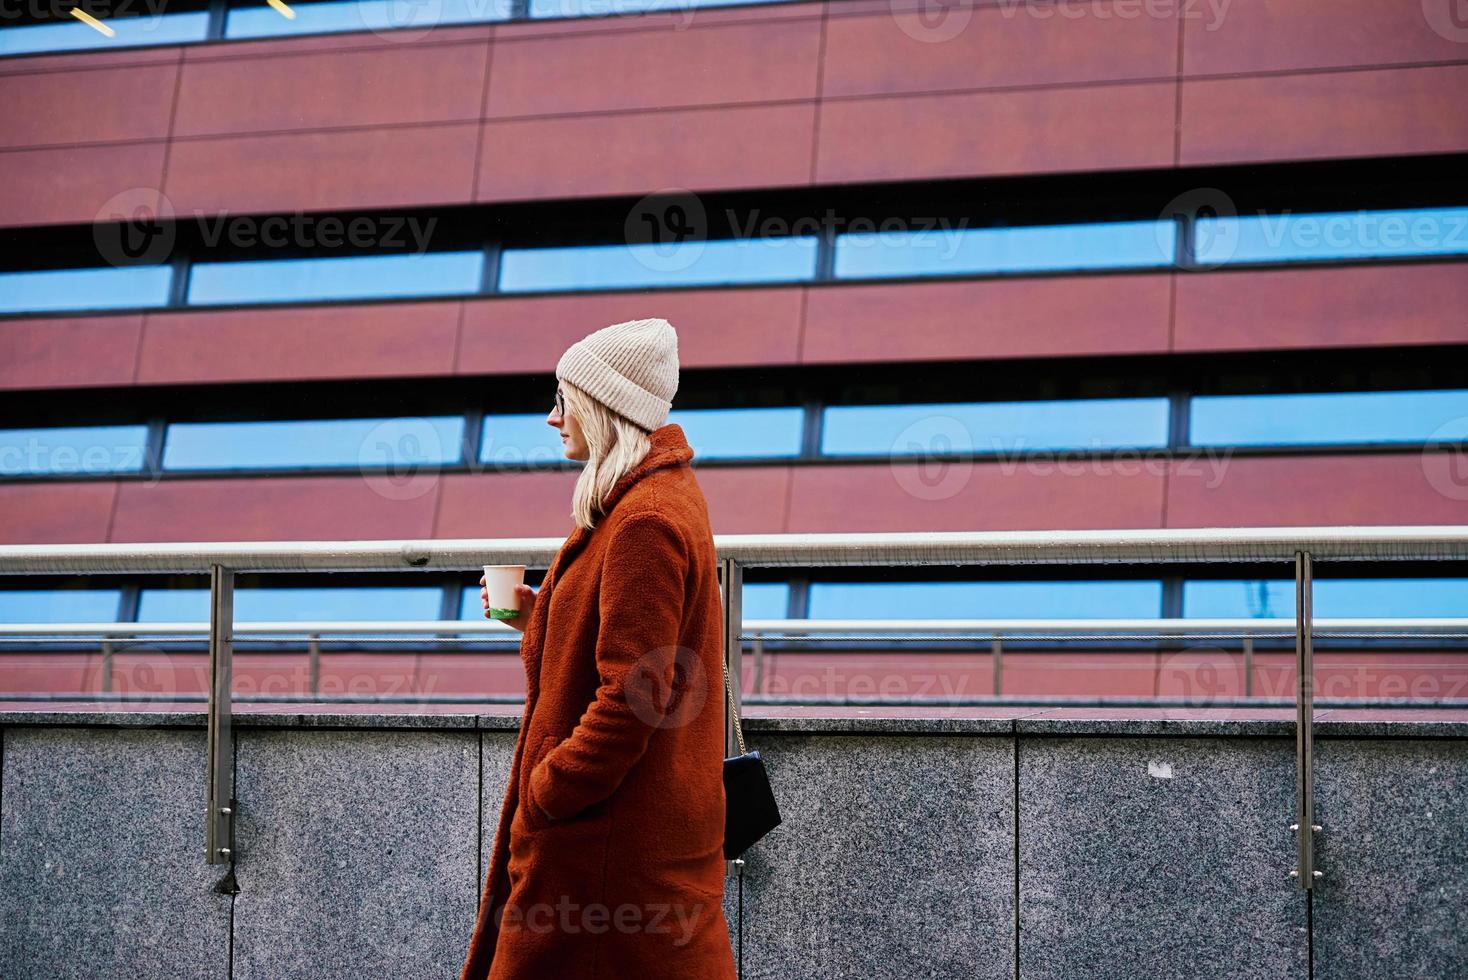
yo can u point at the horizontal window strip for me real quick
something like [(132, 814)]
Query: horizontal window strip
[(1369, 597), (348, 278), (1320, 418), (1337, 236), (884, 431), (191, 27), (126, 24), (246, 20), (858, 256)]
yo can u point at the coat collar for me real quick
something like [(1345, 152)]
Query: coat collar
[(669, 448)]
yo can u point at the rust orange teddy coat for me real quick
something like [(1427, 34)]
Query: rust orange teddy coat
[(608, 860)]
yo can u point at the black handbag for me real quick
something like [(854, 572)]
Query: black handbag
[(750, 811)]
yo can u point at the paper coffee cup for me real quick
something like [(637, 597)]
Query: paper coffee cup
[(500, 582)]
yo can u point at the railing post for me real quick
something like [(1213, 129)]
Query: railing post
[(219, 819), (315, 664), (996, 651), (106, 664), (1248, 666), (1304, 826), (731, 576)]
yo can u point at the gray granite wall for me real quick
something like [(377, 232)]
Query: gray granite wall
[(940, 848)]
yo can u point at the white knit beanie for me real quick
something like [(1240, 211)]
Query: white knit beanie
[(631, 367)]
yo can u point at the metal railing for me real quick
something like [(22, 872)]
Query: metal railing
[(760, 639), (222, 561)]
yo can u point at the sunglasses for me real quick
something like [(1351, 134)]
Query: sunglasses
[(560, 403)]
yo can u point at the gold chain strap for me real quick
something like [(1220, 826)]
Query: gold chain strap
[(733, 708)]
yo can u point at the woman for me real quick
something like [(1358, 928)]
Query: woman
[(608, 859)]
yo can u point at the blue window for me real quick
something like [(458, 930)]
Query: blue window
[(1329, 598), (65, 451), (58, 290), (352, 277), (765, 600), (962, 427), (520, 440), (691, 263), (1337, 235), (361, 15), (728, 433), (602, 8), (369, 443), (1328, 417), (59, 605), (130, 32), (977, 251), (986, 600), (396, 603)]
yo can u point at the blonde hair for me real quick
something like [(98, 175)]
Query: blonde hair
[(614, 444)]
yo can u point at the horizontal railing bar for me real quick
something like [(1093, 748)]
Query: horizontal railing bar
[(1150, 546), (774, 628), (1079, 701)]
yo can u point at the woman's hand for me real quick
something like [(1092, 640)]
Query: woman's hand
[(524, 593)]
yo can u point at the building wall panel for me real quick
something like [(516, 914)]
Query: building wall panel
[(990, 318), (69, 352), (354, 506), (371, 87), (77, 184), (1214, 489), (978, 496), (63, 107), (991, 133), (655, 69), (55, 512), (318, 171), (300, 343), (645, 152), (1330, 114), (1248, 36), (889, 49), (1343, 307), (506, 505)]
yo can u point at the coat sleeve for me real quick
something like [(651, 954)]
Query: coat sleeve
[(641, 613)]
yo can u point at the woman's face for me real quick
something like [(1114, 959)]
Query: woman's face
[(571, 439)]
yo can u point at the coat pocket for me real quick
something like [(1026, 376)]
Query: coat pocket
[(535, 818)]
